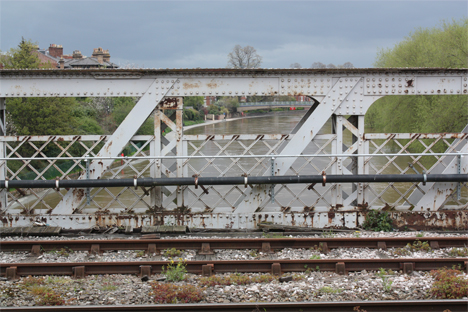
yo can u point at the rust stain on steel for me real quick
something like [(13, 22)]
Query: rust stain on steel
[(443, 220), (191, 85), (409, 83), (260, 137), (331, 216), (78, 193), (168, 103), (212, 85)]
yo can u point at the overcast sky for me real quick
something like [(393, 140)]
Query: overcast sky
[(188, 34)]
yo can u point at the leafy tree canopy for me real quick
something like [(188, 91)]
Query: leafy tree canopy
[(195, 101), (22, 57), (444, 46)]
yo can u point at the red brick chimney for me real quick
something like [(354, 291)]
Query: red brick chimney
[(55, 50)]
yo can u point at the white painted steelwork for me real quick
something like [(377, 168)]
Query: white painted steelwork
[(343, 95)]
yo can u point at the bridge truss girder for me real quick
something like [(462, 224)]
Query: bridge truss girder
[(340, 92)]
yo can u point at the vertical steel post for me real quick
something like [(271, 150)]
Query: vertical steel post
[(459, 172), (3, 163), (180, 149), (360, 160), (185, 168), (155, 171), (338, 147), (87, 191), (354, 160), (334, 191), (272, 187)]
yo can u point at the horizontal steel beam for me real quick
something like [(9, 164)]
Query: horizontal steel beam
[(228, 82), (299, 218)]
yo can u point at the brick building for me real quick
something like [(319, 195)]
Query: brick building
[(55, 57)]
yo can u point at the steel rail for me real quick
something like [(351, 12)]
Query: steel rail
[(369, 306), (306, 179), (208, 267), (208, 244)]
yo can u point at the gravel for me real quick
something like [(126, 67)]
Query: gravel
[(315, 286), (220, 254)]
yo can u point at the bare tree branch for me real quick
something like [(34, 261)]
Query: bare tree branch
[(244, 57)]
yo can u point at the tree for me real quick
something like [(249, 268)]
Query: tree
[(444, 46), (331, 65), (37, 116), (347, 65), (318, 65), (22, 57), (295, 65), (244, 57), (122, 107), (195, 101), (231, 103)]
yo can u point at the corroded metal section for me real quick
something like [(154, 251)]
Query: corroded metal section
[(443, 220)]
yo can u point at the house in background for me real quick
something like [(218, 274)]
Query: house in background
[(55, 57)]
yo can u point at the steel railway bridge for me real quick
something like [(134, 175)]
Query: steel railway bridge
[(344, 95)]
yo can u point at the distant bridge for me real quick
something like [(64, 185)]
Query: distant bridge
[(267, 105)]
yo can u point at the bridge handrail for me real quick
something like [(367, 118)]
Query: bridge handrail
[(235, 156)]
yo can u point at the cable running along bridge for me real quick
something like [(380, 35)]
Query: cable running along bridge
[(342, 95)]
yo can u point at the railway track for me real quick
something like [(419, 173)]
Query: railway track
[(368, 306), (205, 246), (209, 267)]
